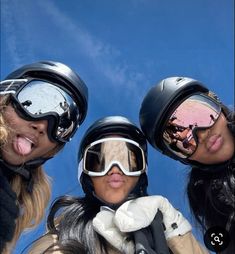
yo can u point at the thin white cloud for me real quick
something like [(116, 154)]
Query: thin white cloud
[(105, 57), (7, 24), (87, 43), (15, 32)]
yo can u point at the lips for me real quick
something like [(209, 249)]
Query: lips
[(214, 143), (115, 180)]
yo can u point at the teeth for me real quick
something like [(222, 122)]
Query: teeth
[(29, 140)]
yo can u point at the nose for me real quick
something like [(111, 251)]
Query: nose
[(202, 134), (40, 126), (115, 170)]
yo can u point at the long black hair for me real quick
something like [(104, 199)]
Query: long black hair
[(212, 194), (70, 218), (75, 231)]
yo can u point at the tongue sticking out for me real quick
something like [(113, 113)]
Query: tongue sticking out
[(23, 146)]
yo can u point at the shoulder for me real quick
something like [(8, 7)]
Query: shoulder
[(185, 244), (45, 242)]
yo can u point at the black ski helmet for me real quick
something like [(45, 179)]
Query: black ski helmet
[(160, 102), (112, 125), (59, 73)]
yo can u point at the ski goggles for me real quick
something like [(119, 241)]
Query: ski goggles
[(38, 100), (101, 155), (195, 113)]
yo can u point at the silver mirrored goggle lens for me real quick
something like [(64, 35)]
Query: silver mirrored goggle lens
[(39, 98), (195, 112), (102, 155), (42, 100)]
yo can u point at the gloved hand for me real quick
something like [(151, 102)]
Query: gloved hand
[(151, 240), (139, 213), (103, 224), (9, 211)]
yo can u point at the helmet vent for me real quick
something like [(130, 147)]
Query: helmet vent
[(48, 63), (179, 79)]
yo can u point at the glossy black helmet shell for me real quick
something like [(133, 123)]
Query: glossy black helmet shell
[(112, 125), (60, 73), (160, 102)]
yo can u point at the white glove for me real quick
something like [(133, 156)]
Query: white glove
[(104, 225), (139, 213)]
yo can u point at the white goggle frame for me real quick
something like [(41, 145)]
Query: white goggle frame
[(114, 162)]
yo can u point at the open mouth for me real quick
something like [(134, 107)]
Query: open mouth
[(30, 141), (23, 145)]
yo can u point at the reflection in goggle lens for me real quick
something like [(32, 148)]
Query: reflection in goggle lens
[(39, 99), (195, 112)]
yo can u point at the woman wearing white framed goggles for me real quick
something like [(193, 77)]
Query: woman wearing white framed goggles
[(37, 99), (101, 155), (113, 160), (115, 208)]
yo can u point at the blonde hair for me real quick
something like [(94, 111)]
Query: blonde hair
[(40, 194), (3, 126)]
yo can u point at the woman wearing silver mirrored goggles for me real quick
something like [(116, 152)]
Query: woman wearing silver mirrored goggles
[(36, 99), (113, 216), (187, 122), (41, 106)]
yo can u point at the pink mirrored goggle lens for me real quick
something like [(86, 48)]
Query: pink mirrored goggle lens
[(197, 111)]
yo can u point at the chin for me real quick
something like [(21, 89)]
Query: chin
[(114, 200)]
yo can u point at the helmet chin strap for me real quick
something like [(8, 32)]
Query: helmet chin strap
[(25, 170), (214, 167), (231, 126)]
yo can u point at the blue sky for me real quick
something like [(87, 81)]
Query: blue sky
[(121, 49)]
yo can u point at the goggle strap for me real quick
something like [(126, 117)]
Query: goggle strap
[(80, 169), (6, 88), (4, 92)]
